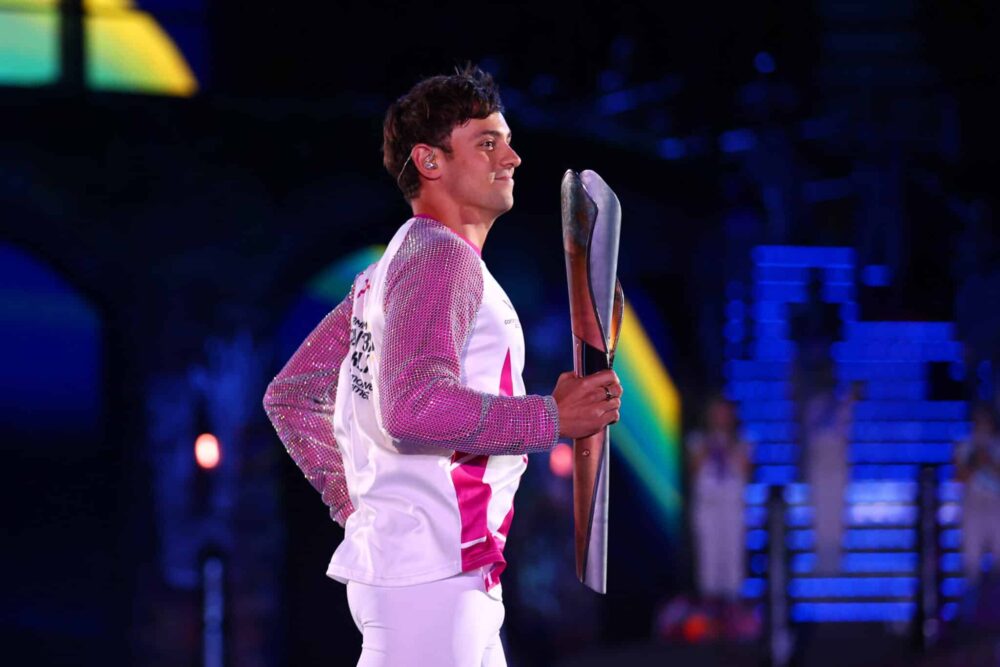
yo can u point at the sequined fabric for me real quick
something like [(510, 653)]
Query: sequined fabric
[(434, 288), (432, 298), (300, 402)]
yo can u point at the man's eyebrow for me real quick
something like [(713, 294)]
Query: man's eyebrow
[(496, 134)]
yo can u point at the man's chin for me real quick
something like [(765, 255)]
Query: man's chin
[(503, 206)]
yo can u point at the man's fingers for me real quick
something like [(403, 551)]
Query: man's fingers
[(606, 392), (601, 409), (601, 378), (607, 377)]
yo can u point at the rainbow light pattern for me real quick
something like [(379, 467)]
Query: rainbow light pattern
[(648, 437), (332, 284), (29, 48), (126, 49)]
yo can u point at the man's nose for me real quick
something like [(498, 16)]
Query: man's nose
[(512, 158)]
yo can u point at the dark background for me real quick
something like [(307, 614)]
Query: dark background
[(192, 223)]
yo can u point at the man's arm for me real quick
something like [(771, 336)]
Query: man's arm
[(300, 402), (434, 288)]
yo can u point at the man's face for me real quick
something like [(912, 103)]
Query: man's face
[(479, 172)]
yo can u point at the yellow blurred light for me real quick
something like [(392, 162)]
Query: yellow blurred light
[(129, 51), (104, 5), (88, 5)]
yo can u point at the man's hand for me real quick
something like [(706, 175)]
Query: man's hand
[(588, 404)]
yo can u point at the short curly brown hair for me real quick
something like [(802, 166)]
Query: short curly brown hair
[(427, 115)]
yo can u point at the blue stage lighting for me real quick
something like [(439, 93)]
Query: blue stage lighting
[(672, 149), (737, 141), (876, 275), (812, 612), (755, 516), (796, 494), (951, 539), (880, 562), (952, 587), (754, 587), (847, 587), (755, 494), (871, 539), (951, 562), (950, 514), (775, 474), (764, 63), (800, 540), (756, 540)]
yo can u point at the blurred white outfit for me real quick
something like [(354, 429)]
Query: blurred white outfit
[(981, 505), (717, 515), (827, 428)]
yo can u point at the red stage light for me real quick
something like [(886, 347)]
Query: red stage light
[(698, 627), (206, 451), (561, 460)]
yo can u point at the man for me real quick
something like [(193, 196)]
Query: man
[(405, 407)]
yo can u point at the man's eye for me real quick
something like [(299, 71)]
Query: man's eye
[(489, 144)]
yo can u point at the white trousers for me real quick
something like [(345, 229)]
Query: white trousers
[(447, 623)]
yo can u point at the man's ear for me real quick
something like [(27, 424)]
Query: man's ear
[(425, 160)]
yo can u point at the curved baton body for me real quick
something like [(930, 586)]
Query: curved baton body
[(591, 220)]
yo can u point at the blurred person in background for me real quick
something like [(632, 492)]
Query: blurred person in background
[(827, 420), (977, 466), (406, 409), (719, 461)]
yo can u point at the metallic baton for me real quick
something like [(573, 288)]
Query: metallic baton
[(591, 221)]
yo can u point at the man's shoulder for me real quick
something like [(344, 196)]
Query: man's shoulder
[(430, 241), (431, 258)]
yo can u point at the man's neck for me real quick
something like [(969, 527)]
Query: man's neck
[(469, 224)]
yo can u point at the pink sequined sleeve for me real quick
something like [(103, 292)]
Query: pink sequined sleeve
[(434, 288), (300, 403)]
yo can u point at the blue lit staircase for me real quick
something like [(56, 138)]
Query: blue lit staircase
[(897, 429)]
